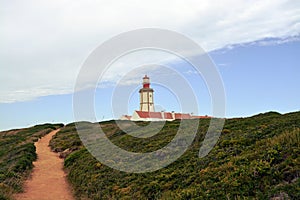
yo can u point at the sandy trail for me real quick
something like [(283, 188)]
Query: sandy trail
[(48, 180)]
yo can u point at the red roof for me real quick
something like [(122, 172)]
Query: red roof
[(168, 115), (182, 116), (158, 115), (143, 114)]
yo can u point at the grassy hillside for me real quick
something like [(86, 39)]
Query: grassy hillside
[(17, 152), (255, 157)]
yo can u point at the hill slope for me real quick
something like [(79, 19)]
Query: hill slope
[(255, 157), (17, 152)]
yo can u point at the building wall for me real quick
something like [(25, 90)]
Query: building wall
[(146, 101)]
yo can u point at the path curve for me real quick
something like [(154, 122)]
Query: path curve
[(48, 180)]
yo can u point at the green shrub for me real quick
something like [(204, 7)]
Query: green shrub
[(17, 152), (255, 158)]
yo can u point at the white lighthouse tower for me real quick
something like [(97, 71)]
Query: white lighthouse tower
[(146, 96), (147, 112)]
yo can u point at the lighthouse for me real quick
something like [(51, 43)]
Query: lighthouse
[(147, 112), (146, 96)]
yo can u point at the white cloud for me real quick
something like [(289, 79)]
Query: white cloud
[(44, 43), (275, 41)]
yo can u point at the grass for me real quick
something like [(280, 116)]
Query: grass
[(255, 158), (17, 152)]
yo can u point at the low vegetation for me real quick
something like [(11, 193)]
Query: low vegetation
[(17, 152), (255, 158)]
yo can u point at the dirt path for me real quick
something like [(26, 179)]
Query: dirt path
[(48, 179)]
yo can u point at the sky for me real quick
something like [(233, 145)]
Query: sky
[(253, 44)]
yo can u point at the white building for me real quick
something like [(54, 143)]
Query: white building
[(147, 111), (158, 116)]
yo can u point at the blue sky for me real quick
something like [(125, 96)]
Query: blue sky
[(45, 44), (256, 79), (261, 78)]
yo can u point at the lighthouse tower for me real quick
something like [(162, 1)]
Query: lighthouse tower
[(146, 96)]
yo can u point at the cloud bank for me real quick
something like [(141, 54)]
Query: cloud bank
[(44, 43)]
